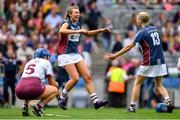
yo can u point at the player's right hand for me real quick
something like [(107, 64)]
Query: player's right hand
[(109, 57)]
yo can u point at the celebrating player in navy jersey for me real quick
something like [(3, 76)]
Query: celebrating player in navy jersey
[(31, 86), (72, 61), (153, 64)]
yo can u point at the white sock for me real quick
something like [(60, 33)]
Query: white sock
[(133, 103), (167, 100), (64, 94), (94, 98), (167, 97)]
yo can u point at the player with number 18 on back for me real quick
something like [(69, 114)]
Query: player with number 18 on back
[(31, 86), (71, 60), (153, 64)]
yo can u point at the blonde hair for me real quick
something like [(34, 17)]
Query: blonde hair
[(69, 11), (143, 17)]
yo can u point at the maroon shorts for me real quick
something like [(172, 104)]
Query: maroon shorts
[(29, 88)]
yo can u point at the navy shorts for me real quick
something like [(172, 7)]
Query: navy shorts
[(29, 88)]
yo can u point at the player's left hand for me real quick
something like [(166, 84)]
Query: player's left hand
[(109, 57)]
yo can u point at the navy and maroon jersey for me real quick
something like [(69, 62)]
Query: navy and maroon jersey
[(69, 42), (149, 40)]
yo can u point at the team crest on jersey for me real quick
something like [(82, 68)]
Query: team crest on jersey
[(73, 37)]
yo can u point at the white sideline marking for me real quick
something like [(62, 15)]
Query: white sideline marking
[(49, 114)]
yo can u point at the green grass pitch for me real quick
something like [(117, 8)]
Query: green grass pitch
[(90, 113)]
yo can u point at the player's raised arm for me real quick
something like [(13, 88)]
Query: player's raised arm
[(124, 50), (110, 57), (94, 32)]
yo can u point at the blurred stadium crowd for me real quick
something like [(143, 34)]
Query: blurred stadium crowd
[(26, 25)]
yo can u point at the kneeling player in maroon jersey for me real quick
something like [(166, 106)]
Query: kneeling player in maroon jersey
[(31, 86)]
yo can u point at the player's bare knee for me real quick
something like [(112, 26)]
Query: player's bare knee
[(75, 78), (54, 89)]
